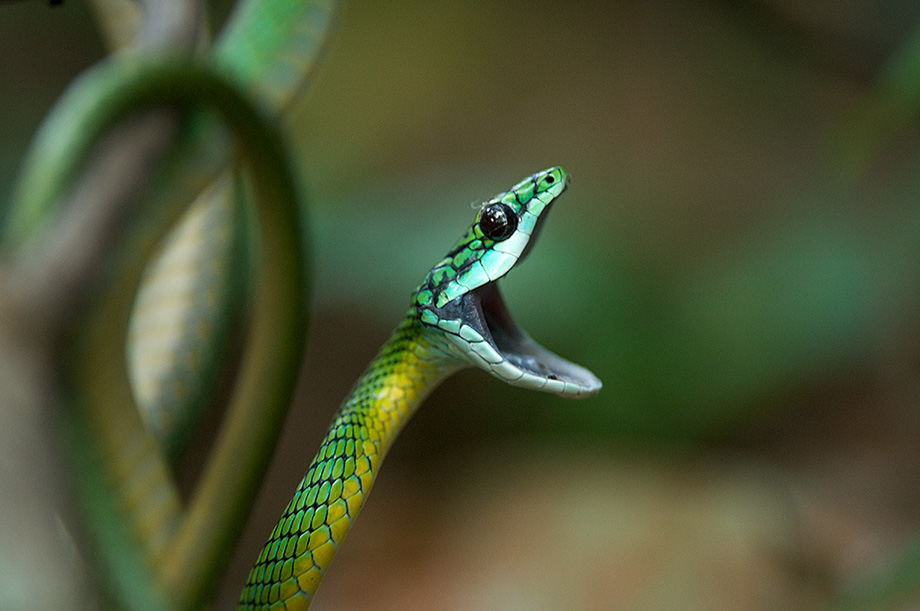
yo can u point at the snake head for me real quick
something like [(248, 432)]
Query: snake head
[(460, 298)]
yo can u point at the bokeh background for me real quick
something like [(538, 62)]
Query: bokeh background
[(736, 258)]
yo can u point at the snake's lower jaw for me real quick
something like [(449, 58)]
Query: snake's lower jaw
[(524, 362)]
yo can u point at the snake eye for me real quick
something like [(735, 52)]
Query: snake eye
[(498, 221)]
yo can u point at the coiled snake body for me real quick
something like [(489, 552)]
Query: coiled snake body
[(152, 548)]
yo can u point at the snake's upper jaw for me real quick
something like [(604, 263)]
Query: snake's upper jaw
[(510, 354), (459, 298)]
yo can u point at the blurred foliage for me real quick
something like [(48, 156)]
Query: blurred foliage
[(891, 586), (742, 222)]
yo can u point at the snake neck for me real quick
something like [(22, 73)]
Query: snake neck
[(295, 558), (408, 367)]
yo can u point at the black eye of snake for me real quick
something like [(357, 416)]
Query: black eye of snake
[(498, 221)]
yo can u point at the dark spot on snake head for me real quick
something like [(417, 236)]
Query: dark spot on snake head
[(498, 221)]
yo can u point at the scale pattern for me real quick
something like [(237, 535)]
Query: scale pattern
[(192, 291), (436, 338), (329, 497), (186, 294), (477, 259)]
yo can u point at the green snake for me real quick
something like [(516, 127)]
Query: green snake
[(457, 319), (150, 547), (155, 549)]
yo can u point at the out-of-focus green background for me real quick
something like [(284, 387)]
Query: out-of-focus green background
[(736, 258)]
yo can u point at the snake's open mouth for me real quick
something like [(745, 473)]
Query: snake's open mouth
[(526, 362), (460, 295)]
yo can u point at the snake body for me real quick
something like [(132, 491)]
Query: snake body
[(456, 319), (179, 334), (122, 479), (152, 548), (261, 60)]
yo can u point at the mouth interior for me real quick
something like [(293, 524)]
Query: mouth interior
[(518, 348)]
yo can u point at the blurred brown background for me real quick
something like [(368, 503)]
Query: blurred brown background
[(736, 258)]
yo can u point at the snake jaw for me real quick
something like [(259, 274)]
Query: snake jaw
[(520, 361), (460, 296)]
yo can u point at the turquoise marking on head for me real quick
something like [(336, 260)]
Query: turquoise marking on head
[(459, 299), (483, 254)]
